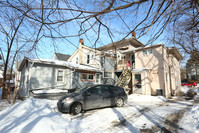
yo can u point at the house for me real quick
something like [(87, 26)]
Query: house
[(42, 74), (104, 61), (153, 70)]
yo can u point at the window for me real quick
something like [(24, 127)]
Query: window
[(76, 60), (88, 59), (147, 51), (60, 75), (87, 76), (108, 75)]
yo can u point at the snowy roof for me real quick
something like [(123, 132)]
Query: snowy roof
[(132, 41), (60, 63)]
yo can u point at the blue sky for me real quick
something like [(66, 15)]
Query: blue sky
[(47, 47)]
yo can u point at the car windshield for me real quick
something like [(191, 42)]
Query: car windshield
[(80, 90)]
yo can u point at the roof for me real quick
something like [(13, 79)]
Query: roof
[(133, 41), (63, 57), (176, 53), (59, 63), (139, 48)]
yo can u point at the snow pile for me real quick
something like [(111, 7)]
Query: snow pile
[(49, 91), (146, 98), (191, 120), (32, 115), (39, 115)]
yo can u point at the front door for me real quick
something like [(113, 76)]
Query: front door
[(138, 84)]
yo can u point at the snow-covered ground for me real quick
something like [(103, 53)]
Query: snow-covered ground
[(141, 114)]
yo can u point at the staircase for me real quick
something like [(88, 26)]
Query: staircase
[(124, 78)]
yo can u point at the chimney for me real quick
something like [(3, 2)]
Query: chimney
[(81, 41), (133, 34)]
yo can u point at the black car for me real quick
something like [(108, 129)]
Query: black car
[(92, 97)]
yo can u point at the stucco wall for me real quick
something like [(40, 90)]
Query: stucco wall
[(154, 62), (175, 73)]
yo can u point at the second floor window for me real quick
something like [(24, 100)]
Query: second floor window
[(88, 59), (147, 51)]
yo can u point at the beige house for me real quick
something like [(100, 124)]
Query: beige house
[(155, 69)]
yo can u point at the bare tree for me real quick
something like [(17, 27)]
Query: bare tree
[(34, 20)]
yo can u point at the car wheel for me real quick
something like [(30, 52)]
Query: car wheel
[(119, 102), (76, 108)]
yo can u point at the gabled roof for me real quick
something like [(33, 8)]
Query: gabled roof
[(63, 57), (132, 41), (59, 63)]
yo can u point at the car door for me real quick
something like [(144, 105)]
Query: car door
[(108, 96), (93, 98)]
